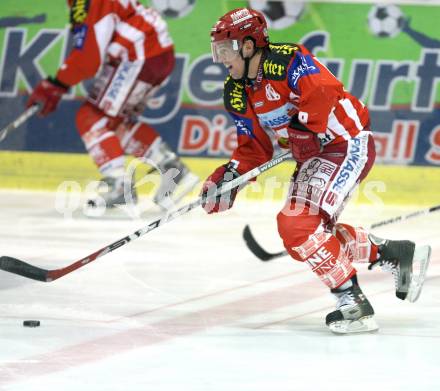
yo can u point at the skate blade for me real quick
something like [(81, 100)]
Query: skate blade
[(185, 186), (366, 324), (422, 255)]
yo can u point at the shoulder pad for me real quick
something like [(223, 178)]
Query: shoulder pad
[(277, 60), (234, 96)]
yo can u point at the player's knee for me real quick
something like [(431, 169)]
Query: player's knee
[(145, 134), (296, 230), (86, 117)]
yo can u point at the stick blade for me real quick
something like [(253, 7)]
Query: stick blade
[(15, 266), (256, 249)]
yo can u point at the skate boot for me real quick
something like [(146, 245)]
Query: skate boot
[(407, 262), (113, 191), (354, 313), (176, 179)]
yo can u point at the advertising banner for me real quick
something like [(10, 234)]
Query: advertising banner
[(388, 56)]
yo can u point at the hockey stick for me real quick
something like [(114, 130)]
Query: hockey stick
[(265, 256), (29, 112), (16, 266)]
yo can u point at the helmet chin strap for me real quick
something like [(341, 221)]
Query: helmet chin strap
[(247, 61)]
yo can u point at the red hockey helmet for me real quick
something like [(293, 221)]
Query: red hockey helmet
[(237, 25)]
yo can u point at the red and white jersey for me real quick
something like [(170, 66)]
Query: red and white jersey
[(290, 81), (121, 29)]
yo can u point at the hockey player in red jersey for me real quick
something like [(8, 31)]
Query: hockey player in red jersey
[(129, 50), (282, 91)]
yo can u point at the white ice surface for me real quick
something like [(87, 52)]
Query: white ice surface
[(188, 307)]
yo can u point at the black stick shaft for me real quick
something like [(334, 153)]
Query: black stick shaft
[(24, 269), (265, 256)]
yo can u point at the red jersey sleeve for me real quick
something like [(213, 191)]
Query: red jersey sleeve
[(318, 89), (254, 145), (93, 23)]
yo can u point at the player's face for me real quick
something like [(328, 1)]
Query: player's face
[(235, 67), (228, 53)]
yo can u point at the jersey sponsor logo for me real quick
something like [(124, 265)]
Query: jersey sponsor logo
[(79, 11), (331, 198), (236, 98), (274, 70), (244, 125), (303, 65), (309, 191), (351, 167), (316, 168), (115, 97), (79, 36), (275, 122), (271, 94), (258, 104), (276, 118), (313, 178), (283, 49), (119, 79), (322, 261)]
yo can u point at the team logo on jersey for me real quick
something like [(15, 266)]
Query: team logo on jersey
[(271, 94), (303, 65), (78, 12)]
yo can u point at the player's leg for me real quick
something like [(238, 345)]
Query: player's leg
[(97, 121), (100, 140), (176, 180), (407, 261), (322, 186), (143, 141), (305, 238)]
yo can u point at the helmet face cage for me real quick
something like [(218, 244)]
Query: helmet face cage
[(239, 24)]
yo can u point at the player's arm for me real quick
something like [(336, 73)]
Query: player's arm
[(92, 28), (319, 91), (93, 25), (254, 147)]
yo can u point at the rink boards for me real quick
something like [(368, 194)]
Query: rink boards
[(49, 171)]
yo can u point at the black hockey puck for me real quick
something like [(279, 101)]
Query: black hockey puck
[(31, 323)]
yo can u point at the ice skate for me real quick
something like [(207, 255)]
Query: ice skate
[(407, 262), (113, 191), (354, 313), (176, 179)]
